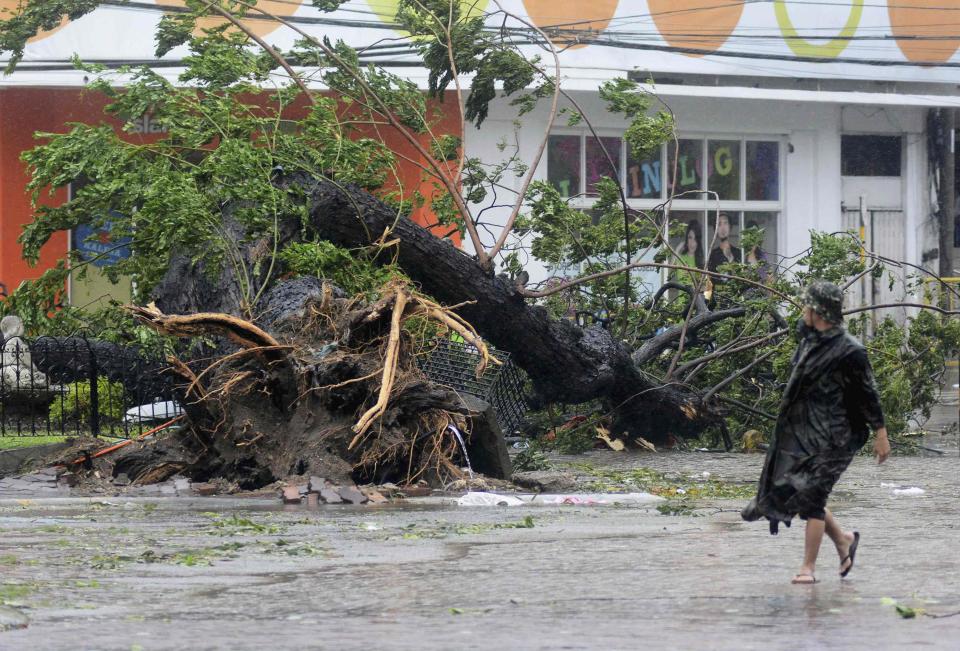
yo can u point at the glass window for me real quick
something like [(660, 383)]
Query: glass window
[(685, 166), (763, 170), (763, 255), (687, 231), (723, 164), (563, 164), (598, 161), (644, 176), (723, 238), (870, 155)]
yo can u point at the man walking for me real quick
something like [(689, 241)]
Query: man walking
[(827, 406)]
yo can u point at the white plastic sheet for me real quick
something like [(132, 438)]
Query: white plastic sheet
[(475, 498), (573, 499)]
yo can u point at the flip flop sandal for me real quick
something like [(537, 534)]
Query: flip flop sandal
[(795, 580), (851, 554)]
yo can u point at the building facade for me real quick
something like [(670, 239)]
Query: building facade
[(791, 116)]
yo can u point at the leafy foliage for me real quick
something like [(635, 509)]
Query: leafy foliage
[(453, 42), (35, 16), (355, 273), (225, 141), (646, 132), (75, 406)]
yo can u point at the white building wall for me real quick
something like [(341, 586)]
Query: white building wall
[(812, 186)]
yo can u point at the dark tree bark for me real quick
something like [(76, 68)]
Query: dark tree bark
[(566, 363)]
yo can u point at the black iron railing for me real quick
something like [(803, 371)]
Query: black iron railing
[(75, 386)]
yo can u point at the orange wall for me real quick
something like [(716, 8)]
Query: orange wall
[(24, 111), (445, 120)]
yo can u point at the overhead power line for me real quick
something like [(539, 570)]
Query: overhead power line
[(764, 56), (621, 39)]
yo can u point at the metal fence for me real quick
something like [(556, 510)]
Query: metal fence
[(75, 386), (454, 364)]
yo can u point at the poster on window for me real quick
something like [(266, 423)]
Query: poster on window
[(98, 246)]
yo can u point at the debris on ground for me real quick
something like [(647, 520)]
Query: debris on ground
[(753, 441), (614, 444), (546, 481), (900, 490), (44, 483), (12, 618), (488, 499), (598, 499), (576, 499)]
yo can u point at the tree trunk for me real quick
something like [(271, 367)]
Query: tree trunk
[(566, 363)]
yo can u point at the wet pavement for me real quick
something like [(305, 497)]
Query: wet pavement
[(218, 573)]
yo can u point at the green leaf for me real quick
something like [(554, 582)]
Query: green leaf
[(906, 612)]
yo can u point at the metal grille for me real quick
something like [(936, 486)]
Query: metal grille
[(882, 234), (454, 364)]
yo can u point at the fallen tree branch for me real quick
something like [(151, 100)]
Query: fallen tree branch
[(732, 343), (922, 306), (699, 304), (850, 283), (729, 351), (654, 346), (543, 293), (747, 408)]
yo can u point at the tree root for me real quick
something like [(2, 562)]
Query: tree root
[(389, 371), (336, 393), (241, 332)]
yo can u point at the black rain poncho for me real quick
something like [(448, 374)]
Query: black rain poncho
[(828, 403)]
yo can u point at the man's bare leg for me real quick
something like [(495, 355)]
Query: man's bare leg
[(811, 548), (841, 539)]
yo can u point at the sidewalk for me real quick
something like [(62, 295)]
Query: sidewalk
[(945, 415)]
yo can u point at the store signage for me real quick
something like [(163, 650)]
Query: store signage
[(98, 246), (147, 124)]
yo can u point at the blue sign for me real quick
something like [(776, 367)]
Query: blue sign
[(99, 246)]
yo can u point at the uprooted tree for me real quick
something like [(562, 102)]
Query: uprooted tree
[(227, 214)]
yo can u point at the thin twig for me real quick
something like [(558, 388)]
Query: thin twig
[(657, 265), (747, 408), (922, 306), (729, 351), (709, 394), (266, 48), (534, 162)]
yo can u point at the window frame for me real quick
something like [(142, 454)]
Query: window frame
[(705, 204), (581, 200)]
